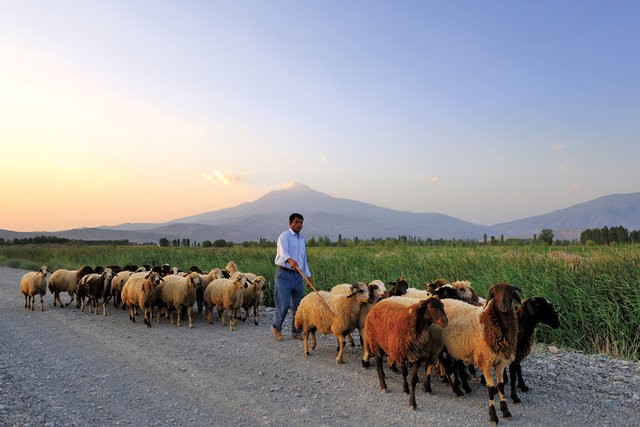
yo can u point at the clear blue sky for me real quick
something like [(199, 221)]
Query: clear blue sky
[(488, 111)]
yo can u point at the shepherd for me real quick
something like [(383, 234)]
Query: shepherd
[(288, 290)]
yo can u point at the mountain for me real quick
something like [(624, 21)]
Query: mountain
[(267, 216), (611, 210)]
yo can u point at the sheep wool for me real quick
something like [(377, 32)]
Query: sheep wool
[(32, 284)]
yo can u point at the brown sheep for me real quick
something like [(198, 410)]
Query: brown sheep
[(140, 291), (405, 335)]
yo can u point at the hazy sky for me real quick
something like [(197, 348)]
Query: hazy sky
[(146, 111)]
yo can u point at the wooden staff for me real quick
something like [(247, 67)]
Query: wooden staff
[(314, 288)]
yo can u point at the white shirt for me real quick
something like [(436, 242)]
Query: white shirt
[(292, 245)]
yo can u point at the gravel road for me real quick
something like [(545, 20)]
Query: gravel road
[(66, 367)]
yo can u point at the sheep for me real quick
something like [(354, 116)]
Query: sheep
[(32, 284), (178, 292), (486, 337), (398, 287), (140, 291), (118, 282), (66, 281), (231, 268), (95, 286), (225, 294), (253, 296), (533, 311), (215, 273), (377, 291), (312, 316), (404, 335)]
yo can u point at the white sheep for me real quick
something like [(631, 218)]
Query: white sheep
[(486, 337), (313, 316), (140, 291), (214, 273), (117, 283), (66, 281), (231, 268), (377, 291), (34, 283), (225, 294), (176, 292)]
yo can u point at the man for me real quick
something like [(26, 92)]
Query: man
[(289, 289)]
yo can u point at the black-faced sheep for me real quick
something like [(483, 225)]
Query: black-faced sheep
[(177, 292), (404, 335), (398, 287), (95, 287), (225, 294), (34, 283), (313, 316), (486, 337), (66, 281), (140, 291), (533, 311)]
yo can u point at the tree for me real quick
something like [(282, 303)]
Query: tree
[(206, 243), (164, 242), (546, 236)]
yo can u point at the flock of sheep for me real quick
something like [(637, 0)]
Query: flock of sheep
[(446, 326)]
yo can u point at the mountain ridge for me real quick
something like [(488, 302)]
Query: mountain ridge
[(266, 217)]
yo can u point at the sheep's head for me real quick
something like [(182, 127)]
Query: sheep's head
[(446, 291), (429, 311), (360, 291), (432, 286), (194, 280), (381, 290), (241, 280), (260, 282), (231, 267), (154, 278), (541, 310), (43, 270), (195, 268), (503, 293), (83, 271), (399, 287)]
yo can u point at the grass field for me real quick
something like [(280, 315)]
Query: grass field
[(596, 290)]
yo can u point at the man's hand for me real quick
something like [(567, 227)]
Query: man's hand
[(293, 263)]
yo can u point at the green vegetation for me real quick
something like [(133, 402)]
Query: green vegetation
[(596, 290)]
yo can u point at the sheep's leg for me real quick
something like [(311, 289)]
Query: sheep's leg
[(365, 358), (449, 367), (179, 315), (148, 315), (31, 302), (233, 318), (521, 385), (73, 297), (221, 316), (305, 339), (461, 372), (380, 370), (190, 316), (104, 308), (314, 342), (41, 302), (413, 380), (350, 339), (26, 303), (256, 314), (427, 377), (132, 313), (501, 394), (405, 372), (491, 391), (341, 341)]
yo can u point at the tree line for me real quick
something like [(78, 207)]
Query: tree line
[(607, 236)]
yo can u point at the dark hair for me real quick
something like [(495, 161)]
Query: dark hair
[(294, 216)]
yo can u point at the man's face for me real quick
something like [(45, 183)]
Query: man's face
[(296, 225)]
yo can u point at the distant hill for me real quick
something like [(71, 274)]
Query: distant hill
[(612, 210), (330, 216)]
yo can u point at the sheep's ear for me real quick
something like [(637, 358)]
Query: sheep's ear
[(149, 274)]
